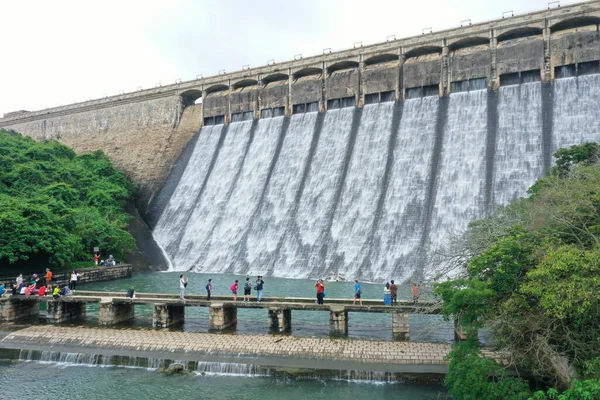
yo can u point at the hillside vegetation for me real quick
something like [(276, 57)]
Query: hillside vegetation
[(56, 206), (534, 280)]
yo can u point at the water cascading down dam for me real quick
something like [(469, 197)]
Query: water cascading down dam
[(371, 192), (362, 162)]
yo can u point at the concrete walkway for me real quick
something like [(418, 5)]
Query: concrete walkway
[(355, 351)]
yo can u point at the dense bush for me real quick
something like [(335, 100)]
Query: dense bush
[(535, 283), (56, 206)]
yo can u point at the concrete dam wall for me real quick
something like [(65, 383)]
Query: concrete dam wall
[(361, 162)]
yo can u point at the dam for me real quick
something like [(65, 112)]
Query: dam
[(362, 162)]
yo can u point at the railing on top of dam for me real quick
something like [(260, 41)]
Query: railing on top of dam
[(530, 42)]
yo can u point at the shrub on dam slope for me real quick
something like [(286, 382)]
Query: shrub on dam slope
[(56, 206)]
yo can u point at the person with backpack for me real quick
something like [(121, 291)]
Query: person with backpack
[(208, 289), (259, 288), (234, 289), (247, 290)]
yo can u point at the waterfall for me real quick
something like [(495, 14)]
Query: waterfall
[(208, 210), (400, 228), (576, 116), (356, 208), (319, 191), (460, 193), (278, 205), (221, 252), (231, 369), (374, 193), (518, 159), (183, 200)]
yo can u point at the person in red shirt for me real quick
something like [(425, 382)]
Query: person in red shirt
[(320, 291), (394, 293), (96, 258), (42, 291)]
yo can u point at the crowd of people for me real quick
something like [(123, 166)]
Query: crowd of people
[(390, 291), (257, 286), (40, 285)]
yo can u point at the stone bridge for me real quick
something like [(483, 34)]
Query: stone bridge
[(115, 308)]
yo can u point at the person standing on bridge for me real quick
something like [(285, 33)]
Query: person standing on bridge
[(234, 288), (74, 278), (247, 290), (394, 293), (208, 289), (320, 291), (415, 293), (259, 288), (357, 292), (387, 296), (48, 276), (183, 281)]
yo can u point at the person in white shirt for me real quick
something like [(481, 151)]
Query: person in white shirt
[(74, 278), (182, 285)]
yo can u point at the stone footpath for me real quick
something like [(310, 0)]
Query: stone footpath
[(363, 351)]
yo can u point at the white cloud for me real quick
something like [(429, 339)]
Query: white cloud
[(62, 51)]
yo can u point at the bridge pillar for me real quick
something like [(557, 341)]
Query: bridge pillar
[(280, 320), (12, 309), (165, 315), (222, 316), (400, 326), (59, 311), (111, 313), (338, 321)]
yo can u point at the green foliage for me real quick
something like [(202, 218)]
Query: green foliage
[(534, 279), (566, 159), (55, 206), (472, 377), (581, 390)]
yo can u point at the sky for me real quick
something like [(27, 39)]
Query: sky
[(62, 51)]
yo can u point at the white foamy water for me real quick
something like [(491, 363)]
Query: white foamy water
[(208, 210), (321, 183), (518, 159), (460, 195), (183, 200), (356, 208), (244, 199), (576, 118), (401, 226), (273, 219)]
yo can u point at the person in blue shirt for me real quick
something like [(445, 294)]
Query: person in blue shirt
[(2, 289), (357, 292)]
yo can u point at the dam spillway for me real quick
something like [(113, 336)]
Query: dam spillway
[(368, 192)]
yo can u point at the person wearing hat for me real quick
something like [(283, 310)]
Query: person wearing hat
[(259, 288)]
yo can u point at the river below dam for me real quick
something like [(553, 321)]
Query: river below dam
[(76, 381), (88, 376)]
